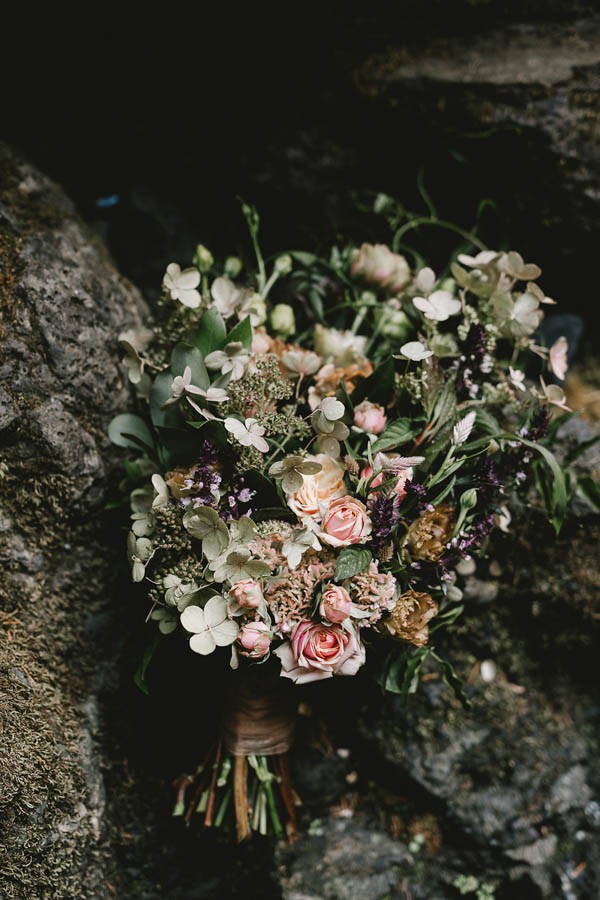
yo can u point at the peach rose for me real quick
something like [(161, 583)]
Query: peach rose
[(318, 490), (335, 603), (370, 417), (320, 651), (345, 522), (255, 638), (247, 593)]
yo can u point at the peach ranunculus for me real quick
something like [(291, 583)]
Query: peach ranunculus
[(320, 651), (247, 593), (379, 266), (335, 603), (370, 417), (345, 522), (318, 490)]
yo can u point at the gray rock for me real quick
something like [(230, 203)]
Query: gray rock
[(345, 861), (541, 80), (62, 304)]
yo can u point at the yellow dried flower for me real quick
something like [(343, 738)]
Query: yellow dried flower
[(409, 618), (428, 535)]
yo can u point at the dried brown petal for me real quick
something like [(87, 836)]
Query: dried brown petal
[(429, 534)]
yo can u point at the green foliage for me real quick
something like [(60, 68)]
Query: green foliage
[(351, 561)]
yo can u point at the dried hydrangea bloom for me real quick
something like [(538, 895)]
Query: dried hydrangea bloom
[(429, 534), (410, 617)]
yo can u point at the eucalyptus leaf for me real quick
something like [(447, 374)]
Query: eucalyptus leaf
[(351, 561)]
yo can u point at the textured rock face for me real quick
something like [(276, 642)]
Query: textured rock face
[(62, 303)]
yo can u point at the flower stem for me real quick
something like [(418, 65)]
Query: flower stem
[(240, 799)]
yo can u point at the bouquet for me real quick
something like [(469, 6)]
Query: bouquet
[(320, 441)]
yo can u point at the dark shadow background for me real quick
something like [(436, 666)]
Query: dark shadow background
[(179, 115)]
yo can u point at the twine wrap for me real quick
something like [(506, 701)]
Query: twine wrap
[(259, 718)]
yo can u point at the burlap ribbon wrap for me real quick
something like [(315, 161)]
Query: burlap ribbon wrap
[(259, 717)]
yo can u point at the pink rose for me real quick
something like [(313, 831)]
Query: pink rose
[(402, 476), (370, 417), (320, 651), (335, 603), (318, 490), (345, 522), (255, 638), (247, 593), (378, 265)]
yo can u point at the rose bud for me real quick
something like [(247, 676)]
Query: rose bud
[(247, 593), (335, 603), (255, 638), (370, 417)]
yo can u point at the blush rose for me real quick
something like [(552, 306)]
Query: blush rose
[(345, 522), (370, 417), (255, 638), (335, 603), (319, 651)]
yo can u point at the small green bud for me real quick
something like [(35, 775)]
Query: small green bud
[(233, 266), (448, 284), (283, 321), (283, 264), (468, 499), (203, 259)]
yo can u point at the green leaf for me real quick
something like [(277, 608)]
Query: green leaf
[(306, 259), (435, 501), (159, 394), (185, 355), (129, 430), (452, 680), (580, 449), (560, 496), (378, 387), (446, 617), (399, 432), (140, 673), (211, 332), (590, 489), (401, 672), (241, 332), (351, 561)]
